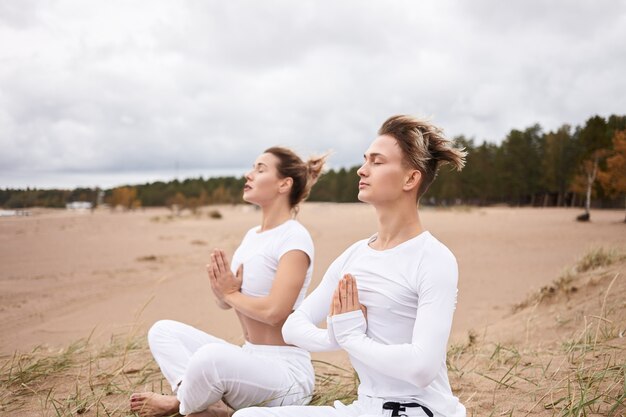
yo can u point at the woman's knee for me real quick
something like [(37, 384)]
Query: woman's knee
[(215, 360), (160, 330)]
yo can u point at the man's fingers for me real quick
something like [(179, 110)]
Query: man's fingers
[(355, 293), (343, 295), (336, 304), (350, 293)]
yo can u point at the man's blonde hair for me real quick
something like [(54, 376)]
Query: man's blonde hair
[(424, 147)]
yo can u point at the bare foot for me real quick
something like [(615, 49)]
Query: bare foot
[(219, 409), (151, 404)]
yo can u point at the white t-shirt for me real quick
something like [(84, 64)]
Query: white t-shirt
[(400, 351), (260, 252)]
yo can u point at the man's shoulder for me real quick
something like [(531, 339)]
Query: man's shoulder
[(435, 248)]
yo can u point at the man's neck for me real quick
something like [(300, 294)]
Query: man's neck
[(397, 223)]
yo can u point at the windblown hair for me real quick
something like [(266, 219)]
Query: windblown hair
[(424, 147), (303, 174)]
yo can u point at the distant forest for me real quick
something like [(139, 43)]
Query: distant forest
[(566, 167)]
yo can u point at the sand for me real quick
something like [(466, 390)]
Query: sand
[(67, 275)]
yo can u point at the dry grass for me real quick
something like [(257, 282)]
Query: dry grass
[(569, 281), (79, 380), (565, 350), (558, 355)]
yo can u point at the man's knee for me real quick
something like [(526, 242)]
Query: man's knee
[(251, 412)]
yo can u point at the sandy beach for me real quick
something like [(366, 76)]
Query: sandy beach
[(531, 334), (66, 275)]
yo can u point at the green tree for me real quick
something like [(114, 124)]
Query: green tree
[(558, 162), (520, 164)]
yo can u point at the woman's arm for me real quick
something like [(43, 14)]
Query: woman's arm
[(274, 308)]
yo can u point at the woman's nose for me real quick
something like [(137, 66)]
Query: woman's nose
[(361, 171)]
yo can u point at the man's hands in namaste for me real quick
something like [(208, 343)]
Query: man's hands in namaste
[(346, 297)]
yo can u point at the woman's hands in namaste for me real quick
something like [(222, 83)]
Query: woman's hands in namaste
[(223, 281)]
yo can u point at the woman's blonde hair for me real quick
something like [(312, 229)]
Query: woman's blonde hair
[(424, 147), (303, 174)]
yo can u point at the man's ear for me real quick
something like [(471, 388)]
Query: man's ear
[(285, 185), (412, 180)]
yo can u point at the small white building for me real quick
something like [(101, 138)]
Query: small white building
[(79, 205)]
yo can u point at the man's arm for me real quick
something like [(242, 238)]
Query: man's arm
[(301, 329), (418, 361)]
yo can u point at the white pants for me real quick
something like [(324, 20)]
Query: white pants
[(203, 369), (363, 407)]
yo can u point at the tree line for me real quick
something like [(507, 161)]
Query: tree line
[(571, 166)]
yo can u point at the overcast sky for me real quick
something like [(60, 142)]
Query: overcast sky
[(111, 92)]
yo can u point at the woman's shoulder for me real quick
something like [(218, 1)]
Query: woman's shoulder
[(295, 228)]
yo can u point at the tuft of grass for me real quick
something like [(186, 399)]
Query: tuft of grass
[(215, 214), (78, 379), (598, 258), (333, 383), (569, 281), (564, 284), (147, 258)]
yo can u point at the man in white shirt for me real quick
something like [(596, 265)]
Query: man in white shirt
[(389, 299)]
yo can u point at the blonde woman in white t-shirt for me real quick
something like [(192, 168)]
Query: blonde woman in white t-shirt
[(266, 281)]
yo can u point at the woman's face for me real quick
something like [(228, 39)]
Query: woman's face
[(383, 176), (262, 182)]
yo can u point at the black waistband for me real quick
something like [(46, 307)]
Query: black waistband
[(397, 407)]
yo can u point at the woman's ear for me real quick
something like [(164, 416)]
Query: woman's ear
[(285, 185), (412, 180)]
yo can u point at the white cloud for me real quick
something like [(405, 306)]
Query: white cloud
[(147, 85)]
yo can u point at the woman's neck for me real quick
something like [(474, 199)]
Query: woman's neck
[(397, 223), (275, 214)]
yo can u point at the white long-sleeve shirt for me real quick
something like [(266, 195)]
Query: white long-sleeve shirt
[(400, 351)]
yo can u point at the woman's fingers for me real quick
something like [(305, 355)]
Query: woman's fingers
[(216, 272), (219, 258)]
